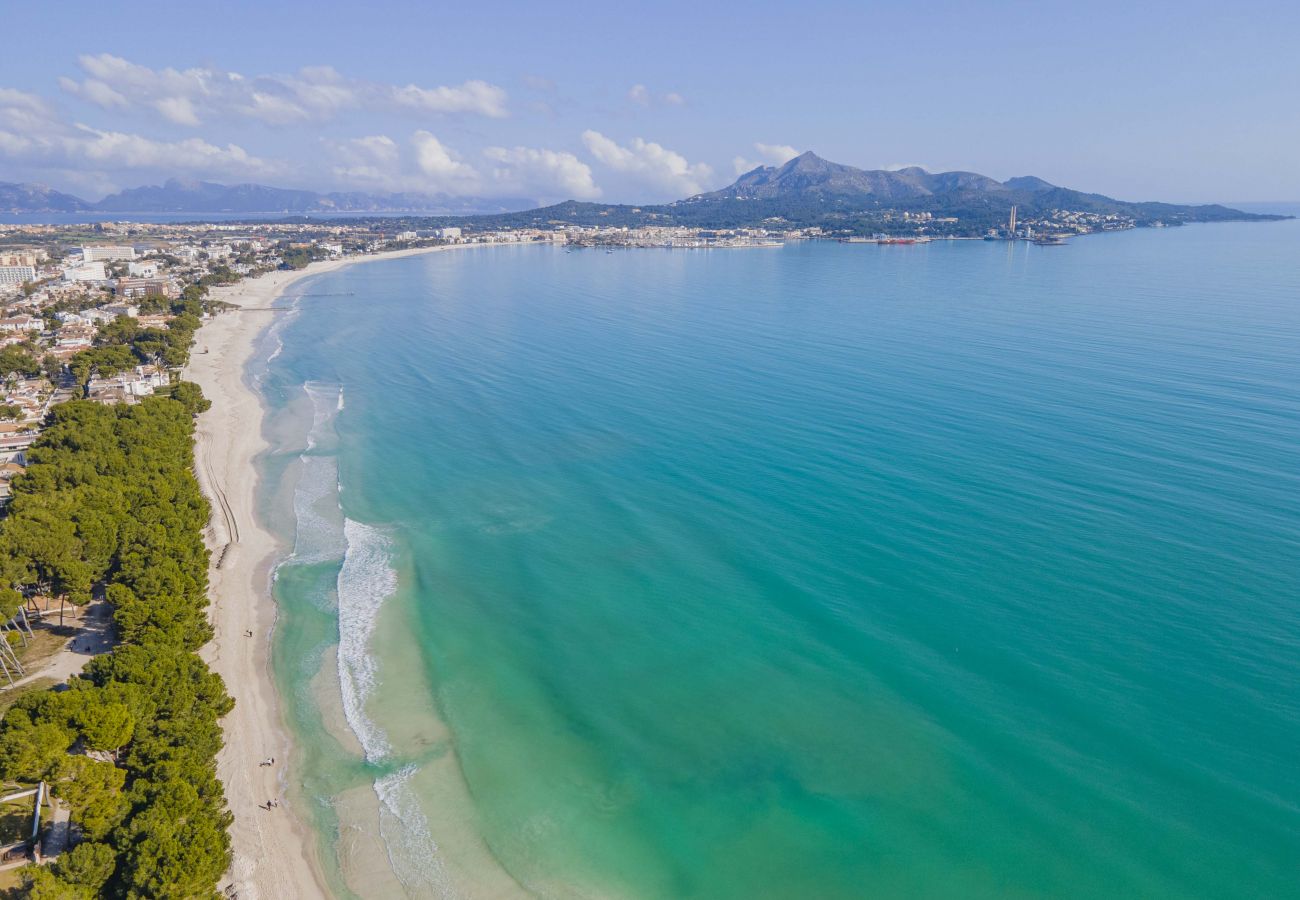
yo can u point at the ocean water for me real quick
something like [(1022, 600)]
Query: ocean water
[(834, 571)]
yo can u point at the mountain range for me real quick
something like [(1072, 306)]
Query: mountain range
[(182, 196), (804, 192), (966, 195), (809, 191)]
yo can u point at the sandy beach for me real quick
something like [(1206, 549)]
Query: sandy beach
[(275, 854)]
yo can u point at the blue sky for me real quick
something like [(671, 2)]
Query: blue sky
[(618, 102)]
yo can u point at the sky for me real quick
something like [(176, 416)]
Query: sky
[(1184, 102)]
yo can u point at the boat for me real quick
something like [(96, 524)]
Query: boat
[(1051, 240)]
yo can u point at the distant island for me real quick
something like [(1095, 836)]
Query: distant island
[(807, 194)]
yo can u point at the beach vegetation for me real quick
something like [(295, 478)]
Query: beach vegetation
[(109, 505)]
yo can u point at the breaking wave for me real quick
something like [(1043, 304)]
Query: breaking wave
[(412, 851), (319, 520), (366, 580)]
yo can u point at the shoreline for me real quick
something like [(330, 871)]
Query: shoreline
[(274, 852)]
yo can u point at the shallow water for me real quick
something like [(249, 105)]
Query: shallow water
[(963, 569)]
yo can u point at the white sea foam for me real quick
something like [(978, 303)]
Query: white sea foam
[(365, 581), (325, 407), (319, 520), (412, 852), (318, 533), (279, 347), (275, 332)]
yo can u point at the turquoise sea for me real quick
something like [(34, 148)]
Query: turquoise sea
[(829, 571)]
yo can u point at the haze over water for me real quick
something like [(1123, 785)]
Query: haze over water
[(967, 569)]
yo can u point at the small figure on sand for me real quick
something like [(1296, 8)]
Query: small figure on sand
[(269, 761), (248, 632)]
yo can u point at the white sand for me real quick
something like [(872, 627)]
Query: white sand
[(275, 853)]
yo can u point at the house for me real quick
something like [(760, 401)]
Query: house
[(13, 442), (128, 387), (103, 314), (21, 323)]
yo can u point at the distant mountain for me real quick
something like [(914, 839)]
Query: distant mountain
[(812, 191), (1028, 183), (808, 175), (36, 198), (182, 196), (809, 191)]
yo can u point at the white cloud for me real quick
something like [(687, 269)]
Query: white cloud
[(769, 155), (31, 133), (542, 173), (316, 93), (373, 161), (117, 150), (642, 96), (177, 109), (650, 163), (426, 164), (95, 91), (471, 97), (440, 165), (776, 154), (19, 109)]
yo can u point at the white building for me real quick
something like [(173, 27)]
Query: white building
[(448, 233), (128, 386), (109, 313), (333, 249), (109, 254), (17, 274), (143, 269), (86, 272), (405, 236)]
